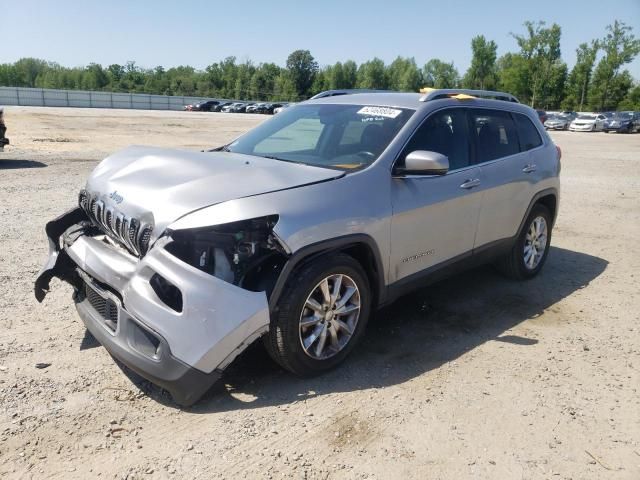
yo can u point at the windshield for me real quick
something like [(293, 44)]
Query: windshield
[(345, 137), (622, 115), (587, 117)]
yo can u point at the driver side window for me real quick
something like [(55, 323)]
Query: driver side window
[(444, 132)]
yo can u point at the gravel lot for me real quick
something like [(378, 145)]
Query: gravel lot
[(475, 377)]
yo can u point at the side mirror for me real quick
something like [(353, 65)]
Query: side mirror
[(424, 162)]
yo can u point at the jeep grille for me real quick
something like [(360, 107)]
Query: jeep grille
[(129, 232)]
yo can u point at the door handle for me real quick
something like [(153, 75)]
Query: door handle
[(529, 167), (470, 183)]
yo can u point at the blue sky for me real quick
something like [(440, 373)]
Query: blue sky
[(198, 32)]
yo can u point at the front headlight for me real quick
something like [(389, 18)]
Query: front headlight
[(237, 252)]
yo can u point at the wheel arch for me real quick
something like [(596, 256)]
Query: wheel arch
[(547, 197), (361, 247)]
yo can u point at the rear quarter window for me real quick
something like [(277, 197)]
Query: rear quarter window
[(495, 134), (527, 133)]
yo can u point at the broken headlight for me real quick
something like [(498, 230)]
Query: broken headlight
[(240, 252)]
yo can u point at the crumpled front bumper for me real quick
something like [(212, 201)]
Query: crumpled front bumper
[(183, 351)]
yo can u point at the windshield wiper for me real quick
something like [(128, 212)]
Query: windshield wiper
[(223, 148)]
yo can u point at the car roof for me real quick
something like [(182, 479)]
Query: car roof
[(403, 100), (412, 101)]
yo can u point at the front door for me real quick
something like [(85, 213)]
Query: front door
[(435, 216)]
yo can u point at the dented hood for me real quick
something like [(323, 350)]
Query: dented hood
[(160, 185)]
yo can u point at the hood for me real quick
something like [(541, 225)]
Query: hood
[(158, 186)]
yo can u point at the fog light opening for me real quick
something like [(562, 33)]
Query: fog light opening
[(167, 292)]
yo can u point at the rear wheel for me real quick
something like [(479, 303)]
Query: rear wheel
[(320, 316), (526, 258)]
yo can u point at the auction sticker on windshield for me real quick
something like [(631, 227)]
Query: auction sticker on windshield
[(380, 111)]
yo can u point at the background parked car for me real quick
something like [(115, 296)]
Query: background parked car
[(542, 115), (270, 108), (591, 122), (233, 107), (627, 122), (254, 108), (557, 122), (3, 141), (281, 107), (220, 106), (244, 107), (205, 106)]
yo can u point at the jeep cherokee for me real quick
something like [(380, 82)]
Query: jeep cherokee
[(299, 229)]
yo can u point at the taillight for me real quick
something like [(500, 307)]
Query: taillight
[(559, 158)]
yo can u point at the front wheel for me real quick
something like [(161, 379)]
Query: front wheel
[(526, 258), (320, 316)]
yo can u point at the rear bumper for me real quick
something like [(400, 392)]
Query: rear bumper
[(183, 350)]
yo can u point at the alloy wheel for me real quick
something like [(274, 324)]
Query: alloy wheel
[(535, 242), (329, 316)]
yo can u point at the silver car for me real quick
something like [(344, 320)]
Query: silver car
[(557, 122), (299, 229)]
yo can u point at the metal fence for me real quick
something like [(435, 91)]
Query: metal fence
[(45, 97)]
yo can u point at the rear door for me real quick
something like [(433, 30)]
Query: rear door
[(507, 146)]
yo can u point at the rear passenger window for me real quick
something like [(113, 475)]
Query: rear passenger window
[(527, 132), (495, 134), (444, 132)]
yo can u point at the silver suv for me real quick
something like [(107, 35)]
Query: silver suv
[(299, 229)]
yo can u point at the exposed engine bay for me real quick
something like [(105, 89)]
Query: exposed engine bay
[(244, 253)]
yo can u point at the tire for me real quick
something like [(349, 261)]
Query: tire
[(284, 341), (514, 264)]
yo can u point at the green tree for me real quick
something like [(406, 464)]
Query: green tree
[(372, 74), (632, 100), (302, 69), (404, 75), (27, 70), (513, 75), (262, 84), (94, 77), (285, 89), (620, 47), (482, 72), (540, 49), (349, 74), (439, 74), (577, 90)]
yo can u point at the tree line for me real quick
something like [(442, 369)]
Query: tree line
[(536, 74)]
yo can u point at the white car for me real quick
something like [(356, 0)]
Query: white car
[(588, 123)]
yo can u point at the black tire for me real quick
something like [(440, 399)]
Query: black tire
[(513, 264), (283, 339)]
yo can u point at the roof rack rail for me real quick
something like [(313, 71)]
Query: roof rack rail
[(347, 91), (440, 93)]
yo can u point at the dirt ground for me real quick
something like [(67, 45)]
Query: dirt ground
[(475, 377)]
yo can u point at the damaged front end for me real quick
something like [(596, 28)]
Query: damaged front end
[(244, 253), (179, 313), (58, 263)]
